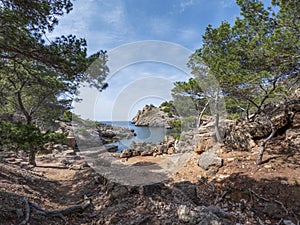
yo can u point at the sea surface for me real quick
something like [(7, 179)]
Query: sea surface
[(143, 134)]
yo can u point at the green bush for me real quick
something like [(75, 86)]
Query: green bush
[(26, 137), (166, 109), (83, 131), (176, 130)]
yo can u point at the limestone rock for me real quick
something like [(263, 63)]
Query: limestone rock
[(112, 148), (153, 117), (272, 210), (203, 215), (69, 152), (209, 159), (241, 135), (200, 148), (126, 153), (171, 151)]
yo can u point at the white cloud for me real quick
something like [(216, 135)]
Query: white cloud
[(161, 26), (103, 24), (185, 4), (227, 3)]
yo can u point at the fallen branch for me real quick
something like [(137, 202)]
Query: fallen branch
[(260, 221), (282, 205), (280, 221), (27, 211), (296, 218), (219, 199), (61, 212), (258, 196)]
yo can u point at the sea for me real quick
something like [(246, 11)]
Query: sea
[(143, 134)]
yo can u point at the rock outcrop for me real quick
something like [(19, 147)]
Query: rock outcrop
[(242, 135), (149, 148), (153, 117), (94, 134), (109, 133)]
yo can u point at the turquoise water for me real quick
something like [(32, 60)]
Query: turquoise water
[(143, 134)]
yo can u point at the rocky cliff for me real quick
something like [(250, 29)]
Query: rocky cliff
[(153, 117)]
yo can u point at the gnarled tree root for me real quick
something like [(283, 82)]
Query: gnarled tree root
[(59, 213)]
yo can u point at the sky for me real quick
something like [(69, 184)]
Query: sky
[(148, 44)]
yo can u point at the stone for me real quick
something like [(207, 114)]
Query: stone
[(117, 192), (85, 164), (58, 147), (185, 215), (189, 190), (66, 162), (202, 215), (136, 153), (69, 152), (211, 171), (71, 142), (209, 159), (112, 148), (126, 153), (171, 151), (147, 153), (169, 141), (272, 210), (76, 167), (152, 189), (288, 222), (200, 148)]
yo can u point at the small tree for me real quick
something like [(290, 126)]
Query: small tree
[(26, 137)]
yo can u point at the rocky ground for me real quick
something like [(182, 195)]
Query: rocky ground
[(207, 183), (239, 193)]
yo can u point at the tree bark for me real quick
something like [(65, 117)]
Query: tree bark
[(217, 119), (264, 142), (201, 114), (31, 158)]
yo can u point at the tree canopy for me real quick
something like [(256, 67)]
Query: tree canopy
[(39, 77), (258, 55), (255, 60)]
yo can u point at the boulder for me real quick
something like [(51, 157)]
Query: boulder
[(189, 189), (112, 148), (69, 152), (147, 153), (126, 153), (200, 148), (203, 215), (171, 151), (136, 153), (242, 134), (209, 159), (153, 189)]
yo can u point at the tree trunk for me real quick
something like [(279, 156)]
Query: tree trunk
[(201, 114), (32, 158), (217, 119), (28, 119), (264, 142), (217, 128)]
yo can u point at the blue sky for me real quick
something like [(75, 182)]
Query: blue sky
[(142, 72), (107, 24)]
